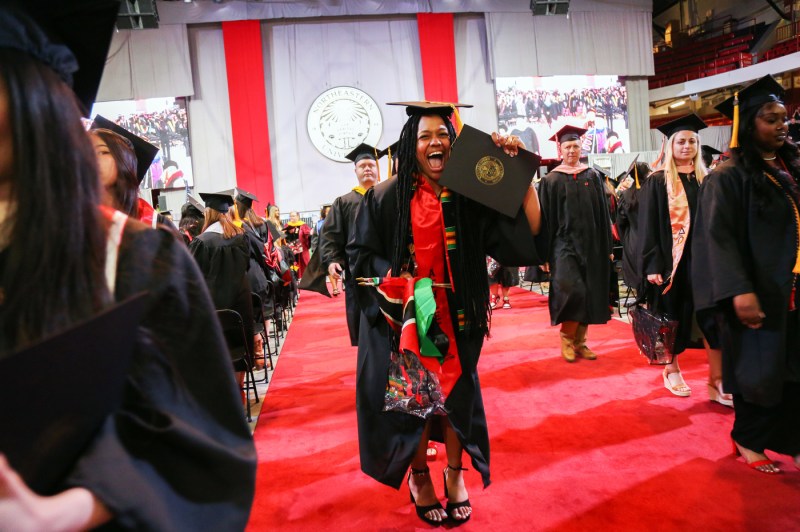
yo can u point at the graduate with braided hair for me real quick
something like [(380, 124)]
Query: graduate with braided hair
[(411, 226)]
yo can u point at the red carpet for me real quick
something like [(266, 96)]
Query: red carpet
[(595, 445)]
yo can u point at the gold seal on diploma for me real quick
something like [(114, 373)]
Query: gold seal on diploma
[(489, 170)]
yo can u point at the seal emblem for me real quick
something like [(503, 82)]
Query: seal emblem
[(489, 170), (340, 119)]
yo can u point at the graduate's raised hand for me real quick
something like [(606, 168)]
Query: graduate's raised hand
[(511, 144)]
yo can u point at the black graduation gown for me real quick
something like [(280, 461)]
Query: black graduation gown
[(655, 254), (334, 237), (224, 264), (178, 454), (627, 226), (575, 222), (388, 440), (750, 244), (258, 271)]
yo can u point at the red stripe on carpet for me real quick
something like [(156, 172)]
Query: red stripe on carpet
[(585, 446)]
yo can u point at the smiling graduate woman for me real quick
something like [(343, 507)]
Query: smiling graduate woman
[(176, 454), (411, 226), (749, 208)]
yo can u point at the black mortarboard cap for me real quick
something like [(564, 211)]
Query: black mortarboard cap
[(710, 150), (764, 90), (145, 152), (192, 207), (481, 171), (389, 149), (78, 34), (690, 122), (363, 151), (428, 107), (568, 133), (219, 201), (246, 198), (44, 433), (601, 170)]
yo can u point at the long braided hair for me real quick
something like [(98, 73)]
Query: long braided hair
[(470, 271)]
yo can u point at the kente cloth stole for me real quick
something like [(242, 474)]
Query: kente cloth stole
[(679, 221), (429, 231)]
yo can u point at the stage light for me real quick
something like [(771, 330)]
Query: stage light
[(673, 105)]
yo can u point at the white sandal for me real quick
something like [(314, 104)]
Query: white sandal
[(674, 383)]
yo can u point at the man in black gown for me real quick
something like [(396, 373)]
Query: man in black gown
[(338, 225), (576, 223)]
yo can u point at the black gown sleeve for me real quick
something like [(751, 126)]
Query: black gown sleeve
[(509, 240), (369, 247), (727, 231), (333, 237), (178, 454), (652, 196)]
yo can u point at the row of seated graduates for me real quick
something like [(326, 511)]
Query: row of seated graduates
[(254, 315)]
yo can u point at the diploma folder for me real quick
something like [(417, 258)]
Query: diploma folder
[(481, 171), (55, 395)]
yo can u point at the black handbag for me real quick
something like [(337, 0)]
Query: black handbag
[(654, 332)]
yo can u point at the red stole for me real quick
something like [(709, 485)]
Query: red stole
[(428, 232)]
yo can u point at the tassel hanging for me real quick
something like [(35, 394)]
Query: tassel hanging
[(636, 176), (457, 119), (735, 132), (391, 162)]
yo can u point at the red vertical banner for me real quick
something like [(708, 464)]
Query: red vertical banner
[(247, 94), (438, 55)]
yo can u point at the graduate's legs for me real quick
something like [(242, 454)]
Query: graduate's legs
[(455, 489), (673, 380), (580, 342), (419, 480), (568, 330), (715, 392)]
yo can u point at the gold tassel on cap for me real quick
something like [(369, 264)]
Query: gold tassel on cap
[(636, 175), (457, 119), (735, 132), (389, 155)]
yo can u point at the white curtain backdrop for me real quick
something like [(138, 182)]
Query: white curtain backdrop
[(586, 42), (379, 57), (475, 85), (209, 113), (147, 64)]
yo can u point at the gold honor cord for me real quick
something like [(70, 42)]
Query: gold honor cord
[(796, 269)]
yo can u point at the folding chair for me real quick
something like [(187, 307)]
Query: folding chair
[(242, 358)]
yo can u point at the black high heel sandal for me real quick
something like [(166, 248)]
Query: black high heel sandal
[(423, 510), (451, 506)]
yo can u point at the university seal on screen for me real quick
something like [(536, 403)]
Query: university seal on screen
[(489, 170), (340, 119)]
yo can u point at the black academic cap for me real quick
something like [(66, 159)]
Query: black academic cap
[(72, 38), (245, 197), (363, 151), (389, 149), (192, 207), (219, 201), (756, 94), (690, 122), (710, 150), (601, 170), (481, 171), (568, 133), (145, 152), (631, 166), (427, 107)]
